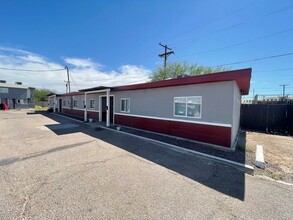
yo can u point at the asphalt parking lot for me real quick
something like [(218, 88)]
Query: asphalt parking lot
[(55, 168)]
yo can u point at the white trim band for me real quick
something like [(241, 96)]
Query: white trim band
[(80, 109), (172, 119)]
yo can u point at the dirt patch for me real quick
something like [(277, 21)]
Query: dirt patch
[(278, 153)]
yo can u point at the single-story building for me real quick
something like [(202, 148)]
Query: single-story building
[(17, 96), (204, 108)]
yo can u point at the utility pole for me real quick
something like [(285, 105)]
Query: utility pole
[(284, 88), (68, 82), (166, 54)]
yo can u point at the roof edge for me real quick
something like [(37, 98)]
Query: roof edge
[(241, 76)]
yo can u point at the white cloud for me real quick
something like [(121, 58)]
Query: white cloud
[(81, 63), (84, 73), (33, 59)]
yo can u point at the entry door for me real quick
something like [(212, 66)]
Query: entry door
[(60, 105), (13, 103), (104, 110)]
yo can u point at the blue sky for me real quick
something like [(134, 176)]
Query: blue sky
[(116, 42)]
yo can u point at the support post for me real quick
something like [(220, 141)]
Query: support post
[(68, 82), (85, 108), (108, 108), (54, 110), (100, 109)]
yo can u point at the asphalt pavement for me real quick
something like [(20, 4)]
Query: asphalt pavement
[(56, 168)]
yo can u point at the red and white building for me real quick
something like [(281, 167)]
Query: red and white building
[(204, 108)]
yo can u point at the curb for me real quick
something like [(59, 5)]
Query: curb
[(273, 180), (243, 167)]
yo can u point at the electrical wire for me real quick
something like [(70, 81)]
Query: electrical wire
[(149, 53), (72, 79), (209, 22), (276, 70), (256, 59), (26, 70), (186, 41), (198, 26), (240, 43), (241, 23)]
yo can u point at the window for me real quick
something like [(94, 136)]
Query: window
[(92, 103), (125, 105), (83, 103), (3, 90), (187, 106), (75, 103), (20, 101), (64, 103)]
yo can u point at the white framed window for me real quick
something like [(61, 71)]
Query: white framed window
[(3, 90), (68, 102), (83, 103), (125, 105), (92, 104), (189, 106), (75, 103), (64, 103)]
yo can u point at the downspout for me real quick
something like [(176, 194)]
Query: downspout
[(54, 104), (85, 108), (108, 108)]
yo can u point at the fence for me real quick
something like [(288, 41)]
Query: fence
[(267, 117)]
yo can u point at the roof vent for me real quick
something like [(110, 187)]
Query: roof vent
[(2, 81), (18, 83)]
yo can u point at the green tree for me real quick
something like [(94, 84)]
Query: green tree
[(180, 69), (41, 94)]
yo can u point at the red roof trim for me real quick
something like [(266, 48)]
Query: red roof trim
[(242, 77)]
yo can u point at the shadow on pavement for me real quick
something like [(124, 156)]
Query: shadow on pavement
[(218, 176), (13, 160)]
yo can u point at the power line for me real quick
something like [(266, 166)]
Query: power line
[(276, 70), (275, 88), (256, 59), (198, 26), (279, 10), (27, 70), (183, 42), (240, 43), (147, 54), (72, 78), (210, 22), (241, 23)]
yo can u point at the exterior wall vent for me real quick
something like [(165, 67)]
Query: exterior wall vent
[(18, 83), (2, 81)]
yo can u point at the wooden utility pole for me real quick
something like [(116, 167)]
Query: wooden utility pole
[(166, 54), (68, 82)]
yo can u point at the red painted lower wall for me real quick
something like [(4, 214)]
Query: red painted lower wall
[(80, 113), (212, 134)]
